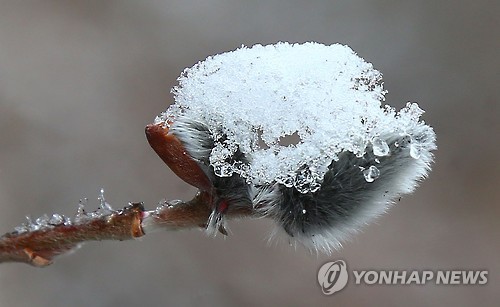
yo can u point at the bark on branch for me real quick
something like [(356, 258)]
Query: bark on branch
[(39, 247)]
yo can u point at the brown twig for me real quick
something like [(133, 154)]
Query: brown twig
[(39, 247)]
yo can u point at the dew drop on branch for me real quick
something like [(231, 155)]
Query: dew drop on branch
[(42, 221), (56, 219), (81, 215), (21, 229), (104, 207)]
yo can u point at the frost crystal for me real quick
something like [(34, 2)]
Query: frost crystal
[(56, 219), (81, 215), (42, 221), (251, 99), (104, 207), (45, 221)]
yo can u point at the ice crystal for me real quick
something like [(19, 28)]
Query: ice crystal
[(104, 207), (380, 147), (81, 215), (56, 219)]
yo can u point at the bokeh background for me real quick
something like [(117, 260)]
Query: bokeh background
[(79, 80)]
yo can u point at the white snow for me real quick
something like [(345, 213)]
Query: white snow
[(251, 98)]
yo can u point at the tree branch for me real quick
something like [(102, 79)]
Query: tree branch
[(38, 243), (39, 247)]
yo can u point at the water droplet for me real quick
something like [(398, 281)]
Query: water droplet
[(396, 144), (67, 221), (103, 209), (81, 216), (358, 147), (56, 219), (380, 147), (30, 225), (371, 173), (103, 205), (415, 151), (42, 221), (159, 208), (223, 170), (21, 228)]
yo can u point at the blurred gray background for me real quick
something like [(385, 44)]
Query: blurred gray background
[(79, 80)]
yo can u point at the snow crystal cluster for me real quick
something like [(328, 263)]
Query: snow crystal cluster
[(326, 99)]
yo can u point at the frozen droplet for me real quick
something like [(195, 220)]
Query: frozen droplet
[(104, 207), (415, 150), (304, 211), (42, 221), (160, 207), (380, 147), (396, 144), (21, 228), (56, 219), (81, 215), (30, 225), (359, 148), (371, 173), (67, 221), (223, 170), (377, 160)]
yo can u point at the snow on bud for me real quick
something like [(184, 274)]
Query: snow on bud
[(353, 156)]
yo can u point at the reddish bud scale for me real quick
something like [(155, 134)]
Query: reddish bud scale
[(223, 206), (173, 153)]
